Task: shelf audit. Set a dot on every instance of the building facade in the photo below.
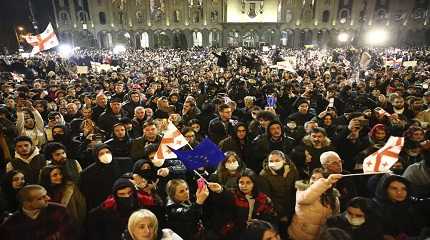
(247, 23)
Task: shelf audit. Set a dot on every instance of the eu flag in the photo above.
(206, 154)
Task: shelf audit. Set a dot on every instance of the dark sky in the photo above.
(14, 13)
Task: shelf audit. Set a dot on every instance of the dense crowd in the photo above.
(79, 136)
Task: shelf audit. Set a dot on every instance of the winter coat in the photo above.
(219, 130)
(184, 219)
(371, 229)
(279, 186)
(97, 180)
(30, 167)
(310, 213)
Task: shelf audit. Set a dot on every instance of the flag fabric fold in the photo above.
(206, 154)
(383, 159)
(172, 139)
(44, 41)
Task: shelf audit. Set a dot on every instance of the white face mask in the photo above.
(354, 221)
(106, 158)
(276, 165)
(158, 162)
(232, 166)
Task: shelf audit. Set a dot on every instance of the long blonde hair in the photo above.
(138, 216)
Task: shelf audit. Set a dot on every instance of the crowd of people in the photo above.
(78, 144)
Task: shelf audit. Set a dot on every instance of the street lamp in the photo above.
(20, 29)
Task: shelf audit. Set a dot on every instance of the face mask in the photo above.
(354, 221)
(126, 204)
(276, 165)
(106, 158)
(158, 162)
(232, 166)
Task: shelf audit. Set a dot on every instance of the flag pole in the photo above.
(198, 174)
(363, 174)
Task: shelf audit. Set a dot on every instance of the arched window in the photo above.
(64, 17)
(102, 18)
(144, 40)
(139, 17)
(344, 15)
(197, 39)
(326, 16)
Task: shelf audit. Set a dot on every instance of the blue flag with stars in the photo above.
(206, 154)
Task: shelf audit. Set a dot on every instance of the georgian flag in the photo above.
(383, 159)
(172, 138)
(44, 41)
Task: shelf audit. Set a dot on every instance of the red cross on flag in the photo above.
(383, 159)
(44, 41)
(172, 138)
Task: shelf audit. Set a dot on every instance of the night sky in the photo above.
(14, 13)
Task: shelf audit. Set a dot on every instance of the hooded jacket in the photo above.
(97, 179)
(264, 144)
(399, 218)
(109, 220)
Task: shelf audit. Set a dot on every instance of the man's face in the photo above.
(59, 156)
(150, 131)
(225, 114)
(72, 108)
(135, 97)
(119, 131)
(87, 113)
(380, 135)
(303, 108)
(119, 88)
(39, 199)
(139, 113)
(317, 138)
(333, 164)
(116, 107)
(23, 148)
(398, 103)
(275, 131)
(101, 100)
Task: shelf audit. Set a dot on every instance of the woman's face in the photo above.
(144, 230)
(328, 120)
(56, 176)
(182, 193)
(195, 127)
(417, 136)
(380, 135)
(18, 181)
(397, 191)
(231, 159)
(246, 185)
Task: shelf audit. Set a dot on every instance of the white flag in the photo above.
(172, 138)
(44, 41)
(383, 159)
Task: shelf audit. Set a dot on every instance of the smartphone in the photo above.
(331, 103)
(200, 183)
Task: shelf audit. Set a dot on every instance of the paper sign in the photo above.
(82, 70)
(409, 63)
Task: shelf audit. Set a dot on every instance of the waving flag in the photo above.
(383, 159)
(206, 154)
(172, 138)
(44, 41)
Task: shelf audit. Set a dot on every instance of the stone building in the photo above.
(248, 23)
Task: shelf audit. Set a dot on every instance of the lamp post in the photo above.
(20, 29)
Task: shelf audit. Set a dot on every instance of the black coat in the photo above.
(217, 131)
(371, 229)
(97, 180)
